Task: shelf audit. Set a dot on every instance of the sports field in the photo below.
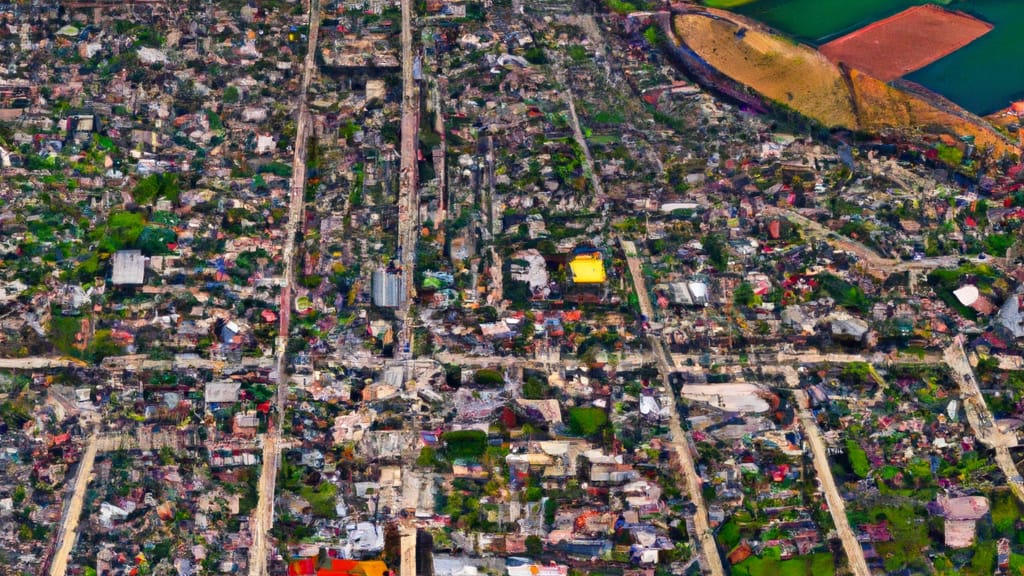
(900, 44)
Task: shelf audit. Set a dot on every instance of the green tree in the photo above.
(488, 377)
(153, 240)
(427, 457)
(536, 55)
(534, 389)
(534, 545)
(714, 246)
(743, 295)
(858, 459)
(453, 375)
(156, 186)
(123, 230)
(103, 345)
(231, 95)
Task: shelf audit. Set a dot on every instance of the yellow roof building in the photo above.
(588, 269)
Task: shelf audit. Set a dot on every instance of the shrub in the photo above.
(464, 444)
(858, 459)
(488, 377)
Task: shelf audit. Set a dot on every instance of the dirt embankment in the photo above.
(803, 79)
(790, 74)
(885, 107)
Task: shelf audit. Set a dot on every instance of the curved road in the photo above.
(980, 417)
(874, 262)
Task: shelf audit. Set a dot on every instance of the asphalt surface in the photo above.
(712, 562)
(408, 199)
(836, 505)
(262, 518)
(73, 511)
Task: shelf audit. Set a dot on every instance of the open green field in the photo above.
(988, 74)
(727, 4)
(821, 564)
(983, 77)
(819, 21)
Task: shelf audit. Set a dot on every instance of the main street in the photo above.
(73, 510)
(408, 199)
(680, 440)
(262, 518)
(129, 363)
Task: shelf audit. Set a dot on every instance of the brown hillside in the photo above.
(794, 75)
(883, 107)
(803, 79)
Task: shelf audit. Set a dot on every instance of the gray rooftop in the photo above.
(222, 392)
(129, 267)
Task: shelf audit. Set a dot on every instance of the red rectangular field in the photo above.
(898, 45)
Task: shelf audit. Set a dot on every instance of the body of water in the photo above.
(983, 77)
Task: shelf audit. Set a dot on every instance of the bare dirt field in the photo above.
(896, 46)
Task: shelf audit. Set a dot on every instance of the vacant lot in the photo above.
(905, 42)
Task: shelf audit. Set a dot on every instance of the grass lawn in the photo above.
(1016, 564)
(726, 3)
(910, 535)
(604, 139)
(63, 330)
(821, 564)
(322, 499)
(587, 421)
(1005, 512)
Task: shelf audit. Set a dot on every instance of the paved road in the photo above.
(806, 357)
(35, 363)
(980, 417)
(836, 505)
(73, 511)
(43, 362)
(577, 133)
(876, 263)
(680, 440)
(408, 199)
(104, 442)
(262, 518)
(626, 361)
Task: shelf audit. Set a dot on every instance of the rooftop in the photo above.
(129, 267)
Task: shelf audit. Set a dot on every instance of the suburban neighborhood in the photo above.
(447, 288)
